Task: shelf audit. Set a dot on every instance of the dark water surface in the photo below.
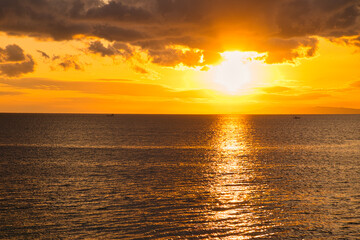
(179, 177)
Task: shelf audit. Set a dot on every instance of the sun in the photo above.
(236, 71)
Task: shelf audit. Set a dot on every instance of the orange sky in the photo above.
(180, 56)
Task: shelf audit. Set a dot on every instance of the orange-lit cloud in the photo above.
(279, 27)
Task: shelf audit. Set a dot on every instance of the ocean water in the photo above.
(179, 176)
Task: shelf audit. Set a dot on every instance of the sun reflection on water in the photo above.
(235, 172)
(231, 135)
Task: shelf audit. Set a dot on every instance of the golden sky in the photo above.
(180, 56)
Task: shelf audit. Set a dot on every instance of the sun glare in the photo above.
(236, 71)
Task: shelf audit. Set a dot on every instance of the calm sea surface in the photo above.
(179, 177)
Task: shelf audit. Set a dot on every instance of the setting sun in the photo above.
(236, 71)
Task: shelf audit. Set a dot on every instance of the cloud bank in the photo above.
(285, 29)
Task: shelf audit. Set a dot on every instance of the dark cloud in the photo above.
(65, 62)
(69, 62)
(13, 61)
(110, 50)
(345, 18)
(140, 70)
(98, 47)
(43, 54)
(58, 19)
(123, 49)
(288, 50)
(283, 28)
(173, 57)
(115, 33)
(117, 11)
(167, 51)
(12, 53)
(18, 68)
(316, 17)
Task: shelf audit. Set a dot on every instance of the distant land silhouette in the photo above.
(335, 110)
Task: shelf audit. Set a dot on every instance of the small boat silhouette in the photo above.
(110, 115)
(296, 117)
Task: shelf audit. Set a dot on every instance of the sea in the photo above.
(78, 176)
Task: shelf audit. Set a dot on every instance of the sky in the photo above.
(180, 56)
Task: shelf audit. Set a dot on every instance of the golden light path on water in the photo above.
(239, 203)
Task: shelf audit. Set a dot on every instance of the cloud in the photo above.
(317, 17)
(289, 50)
(43, 54)
(292, 94)
(111, 50)
(66, 62)
(272, 97)
(9, 93)
(173, 57)
(12, 53)
(17, 69)
(350, 41)
(98, 47)
(355, 84)
(158, 53)
(69, 63)
(117, 11)
(13, 61)
(124, 88)
(286, 29)
(116, 33)
(140, 70)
